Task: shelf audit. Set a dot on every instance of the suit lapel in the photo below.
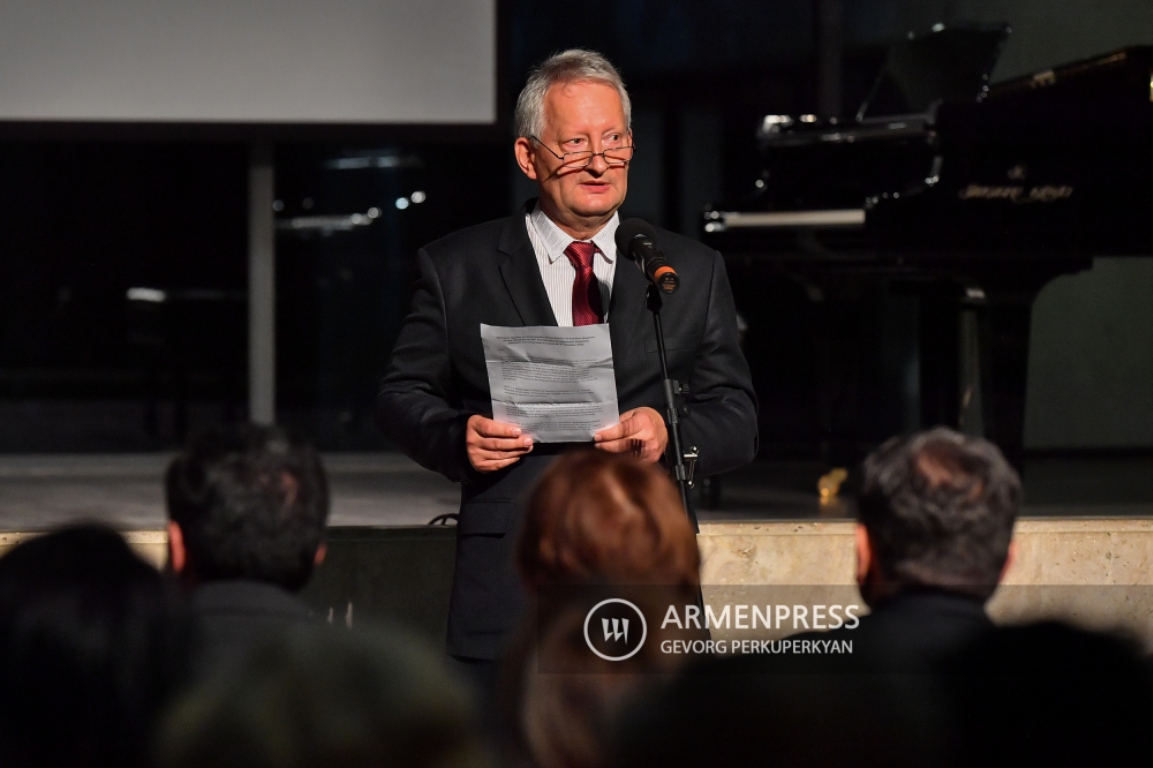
(521, 274)
(626, 308)
(522, 279)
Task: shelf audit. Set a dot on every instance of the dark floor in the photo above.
(383, 489)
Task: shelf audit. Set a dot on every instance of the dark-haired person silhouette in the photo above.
(247, 510)
(94, 642)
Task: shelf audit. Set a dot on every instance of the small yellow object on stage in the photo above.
(830, 484)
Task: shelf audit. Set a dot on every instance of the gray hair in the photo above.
(575, 65)
(939, 507)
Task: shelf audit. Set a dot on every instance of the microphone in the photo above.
(636, 238)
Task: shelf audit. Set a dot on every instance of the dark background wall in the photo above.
(82, 368)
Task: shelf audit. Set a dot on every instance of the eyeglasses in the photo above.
(615, 157)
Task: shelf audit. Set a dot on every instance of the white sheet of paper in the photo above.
(556, 384)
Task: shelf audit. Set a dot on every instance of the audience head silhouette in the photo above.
(320, 699)
(597, 525)
(247, 502)
(936, 510)
(93, 642)
(600, 518)
(1052, 695)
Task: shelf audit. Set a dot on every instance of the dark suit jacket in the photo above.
(883, 704)
(437, 379)
(232, 615)
(913, 632)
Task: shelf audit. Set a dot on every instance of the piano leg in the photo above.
(1003, 322)
(1004, 329)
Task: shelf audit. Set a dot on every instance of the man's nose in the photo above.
(598, 165)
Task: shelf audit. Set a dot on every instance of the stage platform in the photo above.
(1085, 541)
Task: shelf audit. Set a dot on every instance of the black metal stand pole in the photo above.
(672, 417)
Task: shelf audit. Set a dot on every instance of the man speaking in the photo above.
(555, 263)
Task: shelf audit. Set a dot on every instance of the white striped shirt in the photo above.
(549, 242)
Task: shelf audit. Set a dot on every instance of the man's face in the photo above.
(578, 117)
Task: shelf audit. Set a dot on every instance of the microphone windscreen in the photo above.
(629, 229)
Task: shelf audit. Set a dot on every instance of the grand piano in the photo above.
(935, 215)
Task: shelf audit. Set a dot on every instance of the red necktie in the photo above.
(587, 308)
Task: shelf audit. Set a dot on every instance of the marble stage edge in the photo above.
(1087, 560)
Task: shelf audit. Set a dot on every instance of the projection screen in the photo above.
(249, 61)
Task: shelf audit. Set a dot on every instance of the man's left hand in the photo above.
(642, 433)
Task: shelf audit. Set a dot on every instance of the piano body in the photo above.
(966, 208)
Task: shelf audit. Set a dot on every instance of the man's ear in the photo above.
(864, 549)
(321, 551)
(525, 154)
(177, 554)
(1010, 559)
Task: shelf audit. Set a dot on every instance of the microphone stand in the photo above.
(682, 473)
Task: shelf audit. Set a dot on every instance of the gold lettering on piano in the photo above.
(980, 192)
(1048, 193)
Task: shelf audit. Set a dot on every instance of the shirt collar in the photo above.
(556, 239)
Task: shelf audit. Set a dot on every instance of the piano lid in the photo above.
(950, 63)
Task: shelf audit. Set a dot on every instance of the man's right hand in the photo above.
(494, 445)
